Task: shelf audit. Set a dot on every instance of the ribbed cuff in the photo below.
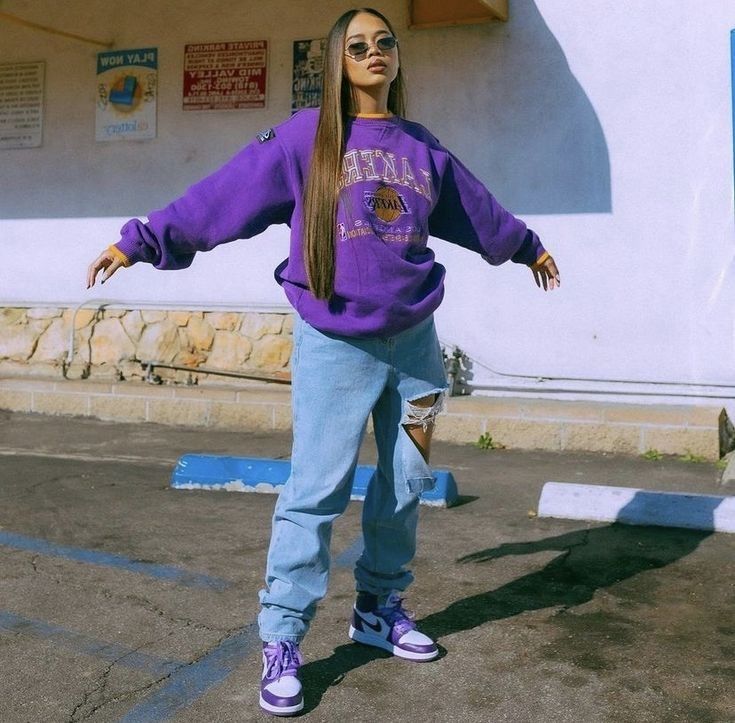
(120, 255)
(540, 260)
(530, 250)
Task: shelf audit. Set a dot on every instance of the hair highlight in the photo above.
(325, 173)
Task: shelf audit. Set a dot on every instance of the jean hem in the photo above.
(274, 637)
(379, 591)
(417, 485)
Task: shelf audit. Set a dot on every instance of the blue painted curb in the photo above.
(253, 474)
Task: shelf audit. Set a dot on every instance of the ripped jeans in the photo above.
(338, 382)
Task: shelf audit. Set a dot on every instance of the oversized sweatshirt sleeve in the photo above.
(241, 199)
(467, 214)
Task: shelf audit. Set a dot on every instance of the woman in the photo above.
(362, 189)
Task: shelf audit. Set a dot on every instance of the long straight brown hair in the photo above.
(323, 185)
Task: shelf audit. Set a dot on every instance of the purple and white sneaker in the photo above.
(280, 687)
(390, 627)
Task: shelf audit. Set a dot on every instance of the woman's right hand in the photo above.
(108, 261)
(545, 272)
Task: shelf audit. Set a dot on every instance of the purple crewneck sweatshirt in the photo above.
(399, 185)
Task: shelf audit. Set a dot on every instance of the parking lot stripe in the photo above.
(80, 457)
(81, 643)
(187, 684)
(108, 559)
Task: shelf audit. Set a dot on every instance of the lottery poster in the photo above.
(225, 76)
(127, 91)
(308, 63)
(21, 104)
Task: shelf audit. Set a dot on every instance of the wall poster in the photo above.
(21, 104)
(127, 88)
(225, 76)
(308, 62)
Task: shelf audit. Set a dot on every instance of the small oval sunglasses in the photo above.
(358, 51)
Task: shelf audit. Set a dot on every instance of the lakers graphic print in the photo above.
(386, 203)
(393, 186)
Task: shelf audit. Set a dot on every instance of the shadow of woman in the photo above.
(591, 559)
(319, 676)
(519, 115)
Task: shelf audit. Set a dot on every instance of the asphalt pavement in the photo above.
(122, 599)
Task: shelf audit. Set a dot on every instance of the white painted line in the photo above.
(80, 457)
(637, 506)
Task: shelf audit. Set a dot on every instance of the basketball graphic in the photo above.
(386, 203)
(126, 93)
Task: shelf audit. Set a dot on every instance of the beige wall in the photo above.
(585, 119)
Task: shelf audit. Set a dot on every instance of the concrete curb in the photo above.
(637, 507)
(253, 474)
(513, 422)
(728, 476)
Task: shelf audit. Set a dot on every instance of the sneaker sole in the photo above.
(283, 710)
(377, 642)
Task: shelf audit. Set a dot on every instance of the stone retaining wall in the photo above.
(111, 343)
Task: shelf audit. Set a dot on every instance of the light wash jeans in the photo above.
(338, 382)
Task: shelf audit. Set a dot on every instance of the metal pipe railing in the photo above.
(66, 363)
(275, 377)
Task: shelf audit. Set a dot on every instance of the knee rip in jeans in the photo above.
(416, 415)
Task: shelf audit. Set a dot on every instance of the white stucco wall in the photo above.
(607, 126)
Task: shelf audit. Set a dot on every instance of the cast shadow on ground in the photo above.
(590, 560)
(521, 118)
(319, 676)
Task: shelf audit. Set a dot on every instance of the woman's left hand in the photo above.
(545, 273)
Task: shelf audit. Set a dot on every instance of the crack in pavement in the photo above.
(190, 682)
(30, 489)
(104, 677)
(39, 570)
(100, 685)
(161, 612)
